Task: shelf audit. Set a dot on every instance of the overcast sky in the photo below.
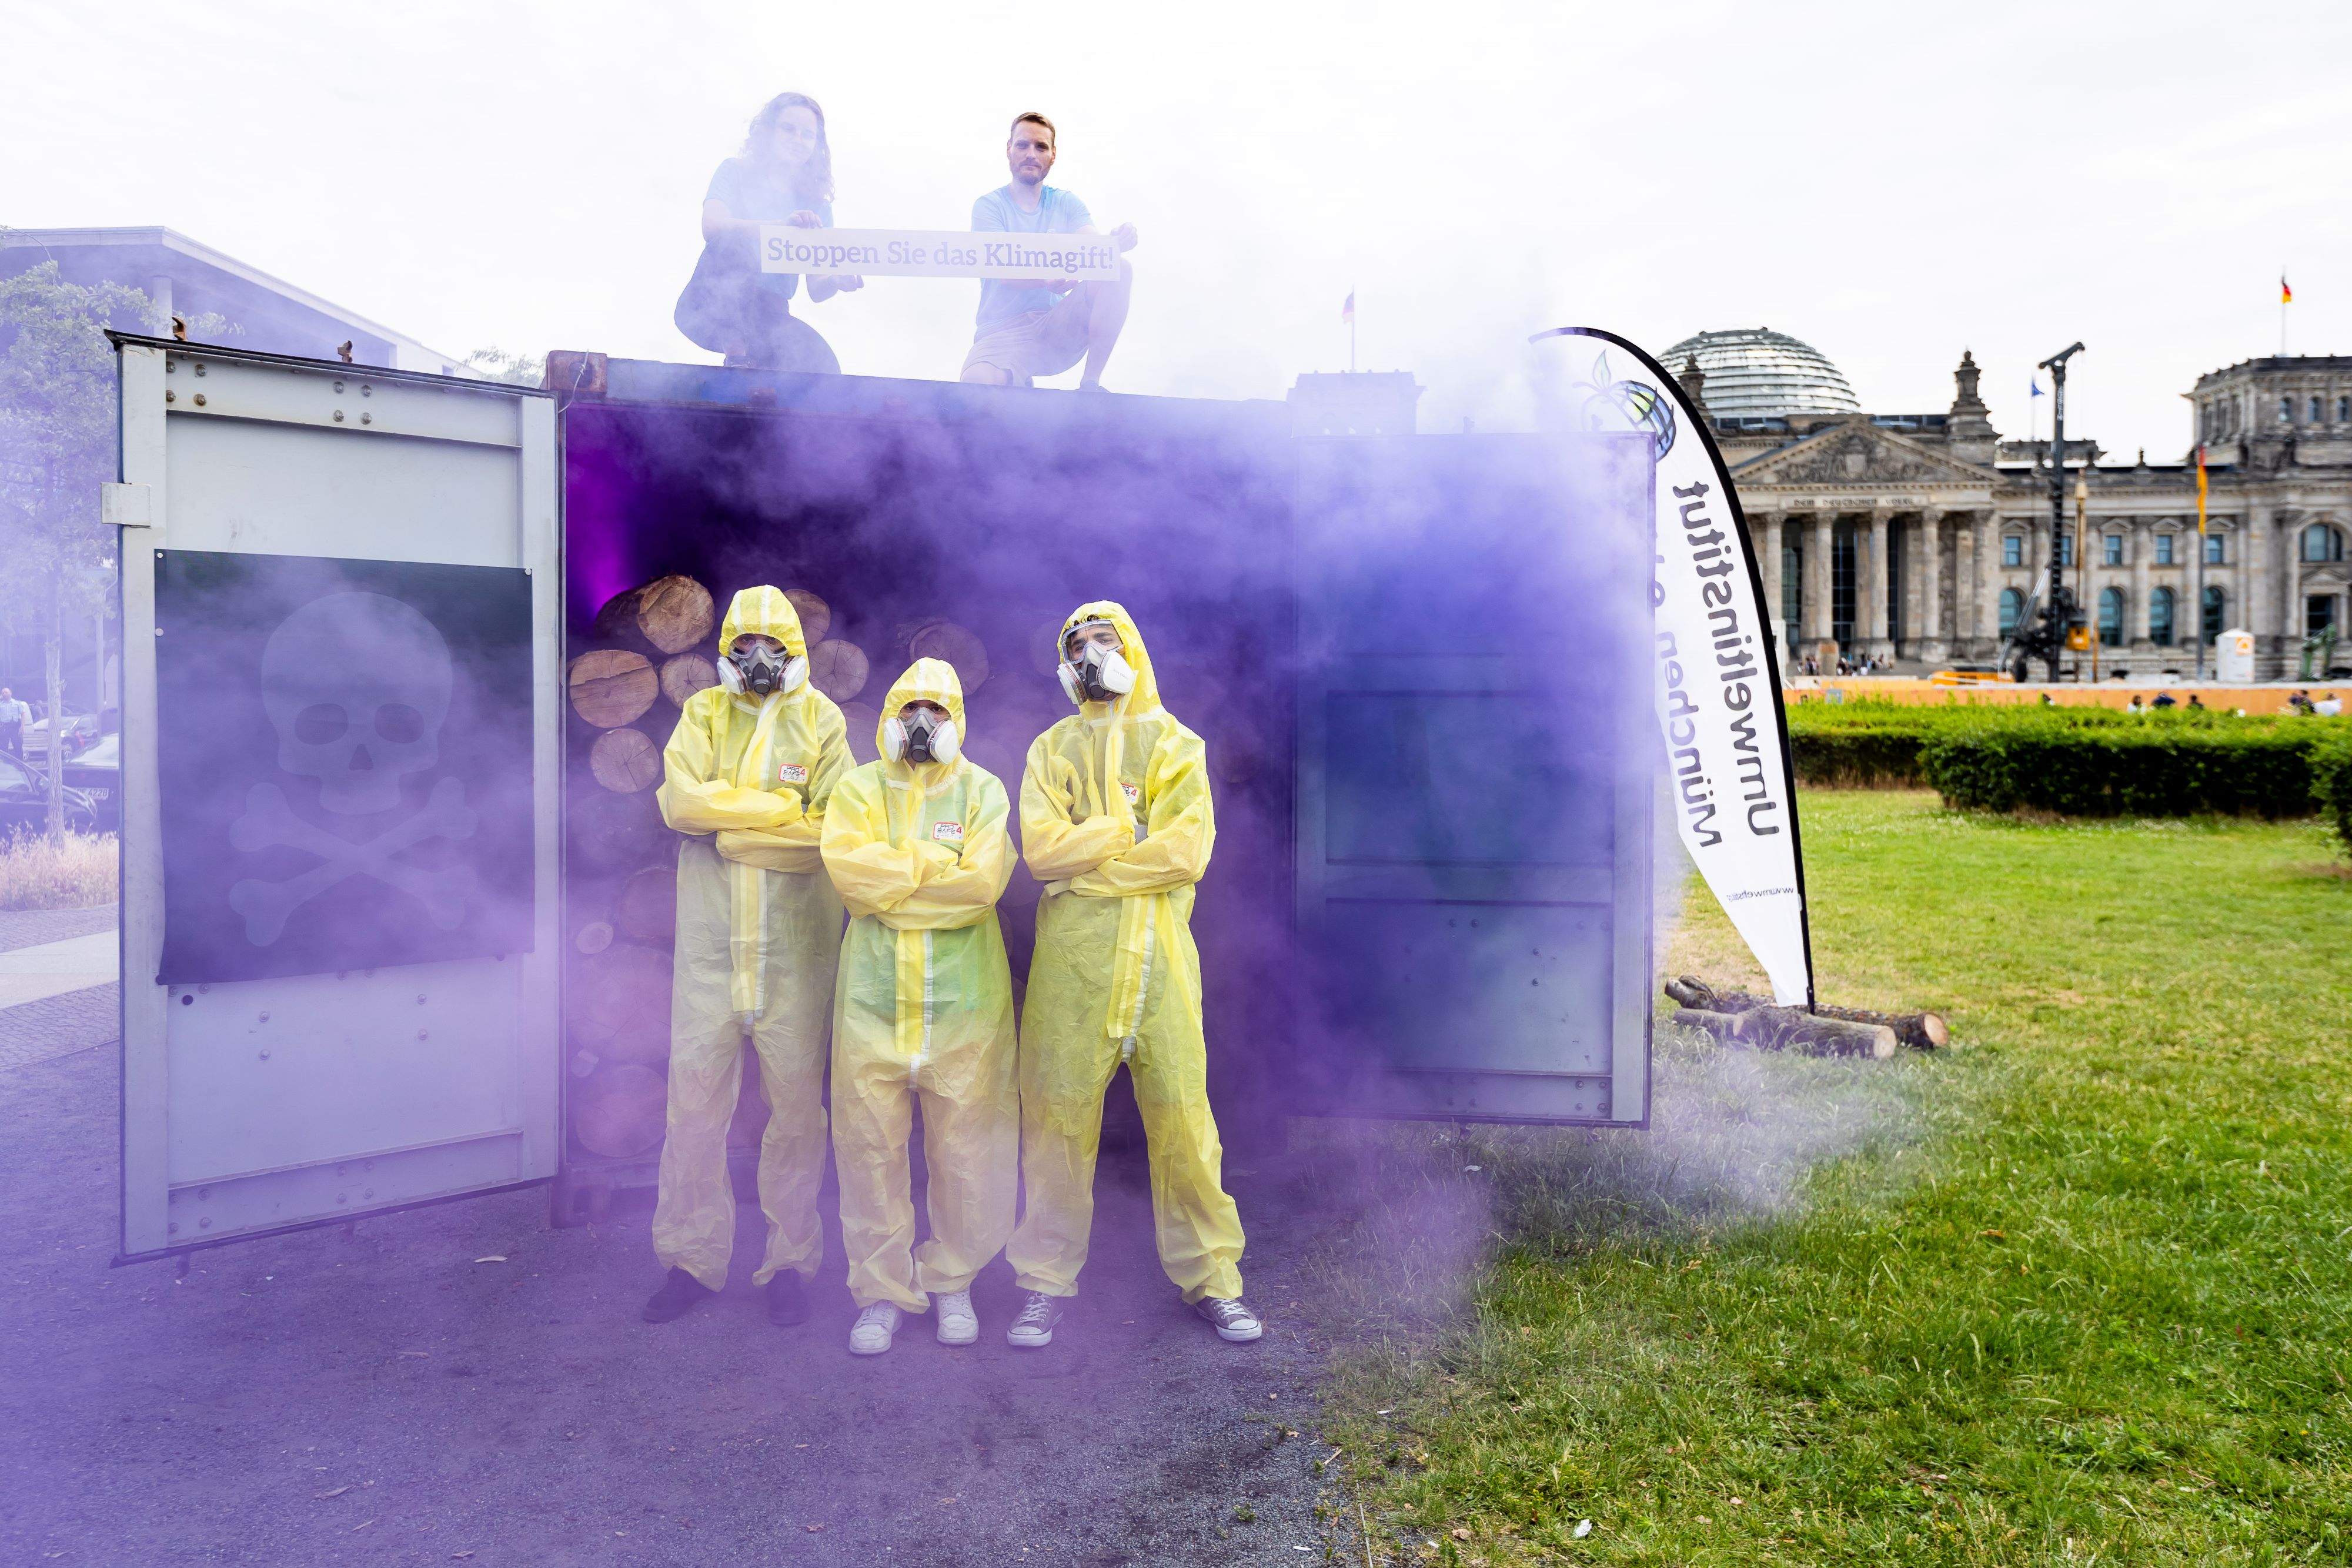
(1891, 185)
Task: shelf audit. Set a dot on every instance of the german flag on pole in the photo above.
(2286, 294)
(1348, 310)
(2201, 490)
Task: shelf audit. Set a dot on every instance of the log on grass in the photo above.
(619, 1110)
(1793, 1029)
(686, 675)
(839, 669)
(612, 686)
(625, 761)
(816, 615)
(1920, 1031)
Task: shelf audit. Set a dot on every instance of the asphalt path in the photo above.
(464, 1383)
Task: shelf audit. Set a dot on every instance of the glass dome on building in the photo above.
(1755, 372)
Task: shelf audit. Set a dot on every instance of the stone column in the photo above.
(1875, 639)
(1816, 613)
(2258, 601)
(2290, 540)
(1963, 583)
(2140, 539)
(1768, 544)
(1931, 586)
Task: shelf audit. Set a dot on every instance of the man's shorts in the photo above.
(1039, 343)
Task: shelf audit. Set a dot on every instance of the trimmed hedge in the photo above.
(2331, 781)
(2105, 772)
(2076, 761)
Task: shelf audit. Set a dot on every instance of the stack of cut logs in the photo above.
(650, 651)
(1737, 1018)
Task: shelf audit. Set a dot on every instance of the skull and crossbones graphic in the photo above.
(357, 688)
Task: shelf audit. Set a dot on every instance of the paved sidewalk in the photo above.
(58, 992)
(463, 1383)
(52, 968)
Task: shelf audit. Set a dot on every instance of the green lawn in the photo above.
(2076, 1292)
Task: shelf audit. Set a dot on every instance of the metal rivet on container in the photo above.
(339, 386)
(343, 1198)
(339, 416)
(420, 998)
(366, 391)
(206, 988)
(170, 396)
(170, 366)
(173, 1229)
(370, 1193)
(420, 1034)
(367, 419)
(199, 367)
(265, 1018)
(200, 400)
(204, 1192)
(203, 1224)
(265, 1056)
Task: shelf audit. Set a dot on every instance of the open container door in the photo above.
(340, 600)
(1473, 785)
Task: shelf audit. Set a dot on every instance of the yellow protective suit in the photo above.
(923, 1006)
(758, 932)
(1115, 820)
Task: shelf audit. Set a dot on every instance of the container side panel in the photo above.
(356, 572)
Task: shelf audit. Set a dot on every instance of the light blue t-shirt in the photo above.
(1058, 213)
(758, 195)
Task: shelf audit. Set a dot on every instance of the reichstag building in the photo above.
(1920, 537)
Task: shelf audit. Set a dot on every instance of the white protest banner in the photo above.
(1718, 676)
(938, 253)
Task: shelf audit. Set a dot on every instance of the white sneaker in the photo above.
(957, 1324)
(1032, 1325)
(1235, 1322)
(874, 1326)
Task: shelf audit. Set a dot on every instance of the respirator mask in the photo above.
(761, 670)
(926, 737)
(1096, 674)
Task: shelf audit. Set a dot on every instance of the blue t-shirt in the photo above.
(1058, 213)
(762, 194)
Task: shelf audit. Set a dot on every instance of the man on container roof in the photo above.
(1028, 330)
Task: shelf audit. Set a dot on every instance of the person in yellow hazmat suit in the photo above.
(746, 775)
(919, 844)
(1115, 820)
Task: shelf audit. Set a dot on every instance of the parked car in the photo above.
(98, 773)
(81, 734)
(24, 801)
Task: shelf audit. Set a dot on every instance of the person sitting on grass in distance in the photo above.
(2166, 699)
(1029, 330)
(2329, 705)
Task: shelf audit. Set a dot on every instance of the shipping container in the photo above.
(397, 901)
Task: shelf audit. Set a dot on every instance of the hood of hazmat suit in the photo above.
(748, 778)
(1117, 822)
(923, 1005)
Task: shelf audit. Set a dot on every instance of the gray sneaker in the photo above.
(1032, 1325)
(1234, 1322)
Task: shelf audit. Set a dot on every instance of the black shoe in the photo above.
(1033, 1326)
(787, 1302)
(679, 1294)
